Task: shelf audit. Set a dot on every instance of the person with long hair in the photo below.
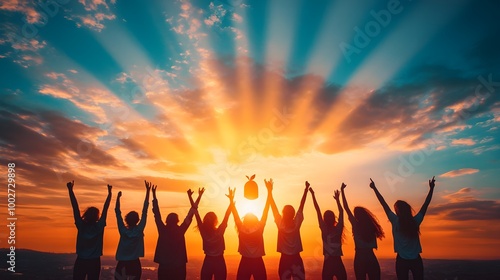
(289, 241)
(332, 234)
(170, 253)
(131, 244)
(251, 244)
(89, 239)
(406, 233)
(365, 230)
(212, 236)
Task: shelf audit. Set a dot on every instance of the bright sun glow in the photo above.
(246, 206)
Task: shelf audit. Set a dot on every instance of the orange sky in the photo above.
(56, 233)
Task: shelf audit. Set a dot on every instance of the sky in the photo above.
(191, 94)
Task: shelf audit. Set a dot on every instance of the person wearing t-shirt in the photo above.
(251, 244)
(212, 236)
(131, 244)
(89, 239)
(365, 230)
(406, 233)
(289, 241)
(170, 253)
(332, 233)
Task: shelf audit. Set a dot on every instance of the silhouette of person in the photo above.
(289, 241)
(212, 235)
(251, 244)
(170, 253)
(365, 230)
(131, 244)
(332, 233)
(406, 233)
(89, 238)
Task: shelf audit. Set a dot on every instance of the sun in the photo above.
(246, 206)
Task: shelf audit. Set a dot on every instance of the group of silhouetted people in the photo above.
(171, 255)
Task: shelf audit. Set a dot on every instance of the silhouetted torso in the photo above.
(289, 241)
(251, 241)
(89, 239)
(213, 241)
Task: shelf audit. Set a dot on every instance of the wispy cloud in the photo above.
(27, 8)
(23, 51)
(463, 142)
(96, 13)
(459, 172)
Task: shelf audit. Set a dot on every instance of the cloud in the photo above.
(463, 142)
(27, 8)
(460, 195)
(467, 210)
(459, 172)
(95, 14)
(23, 51)
(237, 18)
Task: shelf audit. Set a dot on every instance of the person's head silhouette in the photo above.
(329, 218)
(402, 208)
(408, 226)
(250, 220)
(91, 215)
(210, 221)
(368, 224)
(172, 219)
(132, 219)
(288, 214)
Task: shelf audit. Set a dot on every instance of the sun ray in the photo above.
(371, 77)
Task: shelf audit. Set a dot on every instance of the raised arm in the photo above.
(230, 195)
(119, 218)
(269, 185)
(336, 196)
(381, 199)
(429, 196)
(344, 202)
(316, 206)
(304, 196)
(194, 208)
(196, 213)
(236, 216)
(106, 205)
(144, 214)
(117, 205)
(156, 209)
(74, 203)
(263, 219)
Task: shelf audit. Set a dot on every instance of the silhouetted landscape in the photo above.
(41, 265)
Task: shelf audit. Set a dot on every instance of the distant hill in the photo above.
(35, 265)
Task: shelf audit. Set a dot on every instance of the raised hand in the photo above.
(119, 194)
(153, 188)
(201, 191)
(336, 194)
(307, 185)
(372, 184)
(190, 192)
(269, 184)
(230, 195)
(432, 182)
(342, 187)
(109, 188)
(311, 190)
(70, 184)
(148, 185)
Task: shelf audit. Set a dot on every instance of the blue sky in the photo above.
(205, 92)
